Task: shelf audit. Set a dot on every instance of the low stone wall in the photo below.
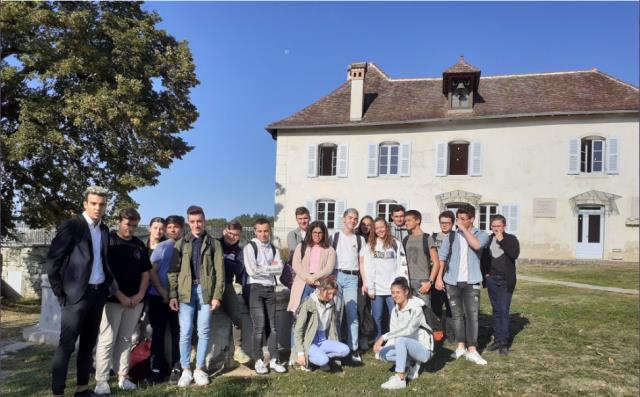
(22, 267)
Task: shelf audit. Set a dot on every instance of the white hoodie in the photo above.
(410, 323)
(382, 266)
(258, 271)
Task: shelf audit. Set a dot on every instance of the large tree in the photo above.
(92, 93)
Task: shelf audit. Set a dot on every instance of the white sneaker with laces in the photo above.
(126, 384)
(460, 351)
(102, 388)
(394, 383)
(200, 377)
(276, 366)
(186, 378)
(475, 357)
(414, 371)
(261, 368)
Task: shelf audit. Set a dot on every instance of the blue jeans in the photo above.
(500, 301)
(348, 289)
(376, 309)
(402, 349)
(465, 306)
(185, 317)
(321, 352)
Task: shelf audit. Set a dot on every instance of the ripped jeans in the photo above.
(465, 305)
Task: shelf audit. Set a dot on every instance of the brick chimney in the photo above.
(356, 75)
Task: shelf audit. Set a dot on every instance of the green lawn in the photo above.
(569, 342)
(620, 275)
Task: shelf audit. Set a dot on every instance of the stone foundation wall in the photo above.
(22, 266)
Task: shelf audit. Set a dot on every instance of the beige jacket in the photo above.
(301, 267)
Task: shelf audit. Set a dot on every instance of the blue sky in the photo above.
(260, 62)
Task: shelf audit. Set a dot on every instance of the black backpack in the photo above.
(432, 321)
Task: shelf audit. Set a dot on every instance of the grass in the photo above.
(14, 316)
(568, 342)
(620, 275)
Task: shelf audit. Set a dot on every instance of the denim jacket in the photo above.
(473, 260)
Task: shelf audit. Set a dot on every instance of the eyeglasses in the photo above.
(445, 223)
(317, 232)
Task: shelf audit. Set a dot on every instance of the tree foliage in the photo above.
(92, 93)
(246, 220)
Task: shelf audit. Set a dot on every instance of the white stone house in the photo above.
(555, 153)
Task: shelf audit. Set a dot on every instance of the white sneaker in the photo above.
(276, 366)
(126, 384)
(102, 388)
(261, 368)
(186, 378)
(414, 371)
(200, 377)
(394, 382)
(475, 357)
(460, 351)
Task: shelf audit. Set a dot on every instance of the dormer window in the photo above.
(460, 84)
(460, 98)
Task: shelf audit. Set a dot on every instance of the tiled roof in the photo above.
(462, 67)
(388, 100)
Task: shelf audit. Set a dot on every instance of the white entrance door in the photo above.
(590, 241)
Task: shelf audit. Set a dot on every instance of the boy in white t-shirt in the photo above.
(350, 249)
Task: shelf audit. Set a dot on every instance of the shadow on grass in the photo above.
(517, 323)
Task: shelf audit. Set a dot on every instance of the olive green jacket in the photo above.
(211, 269)
(306, 326)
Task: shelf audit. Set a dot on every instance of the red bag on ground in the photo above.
(140, 362)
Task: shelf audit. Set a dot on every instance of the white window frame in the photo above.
(324, 214)
(591, 156)
(334, 158)
(485, 210)
(387, 208)
(386, 165)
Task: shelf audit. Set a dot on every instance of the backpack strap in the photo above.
(405, 240)
(334, 241)
(425, 244)
(255, 248)
(303, 249)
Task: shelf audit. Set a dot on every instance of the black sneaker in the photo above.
(356, 358)
(175, 376)
(493, 347)
(504, 351)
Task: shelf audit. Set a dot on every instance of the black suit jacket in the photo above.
(70, 259)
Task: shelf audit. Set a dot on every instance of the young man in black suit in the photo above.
(79, 274)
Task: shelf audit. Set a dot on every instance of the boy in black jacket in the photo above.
(499, 269)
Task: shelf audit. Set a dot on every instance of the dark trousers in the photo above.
(500, 301)
(231, 307)
(159, 315)
(80, 319)
(262, 310)
(465, 305)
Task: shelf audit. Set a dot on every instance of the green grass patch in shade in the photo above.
(568, 342)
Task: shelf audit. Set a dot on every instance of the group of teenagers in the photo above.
(105, 279)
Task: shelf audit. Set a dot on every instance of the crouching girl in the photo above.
(316, 335)
(409, 342)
